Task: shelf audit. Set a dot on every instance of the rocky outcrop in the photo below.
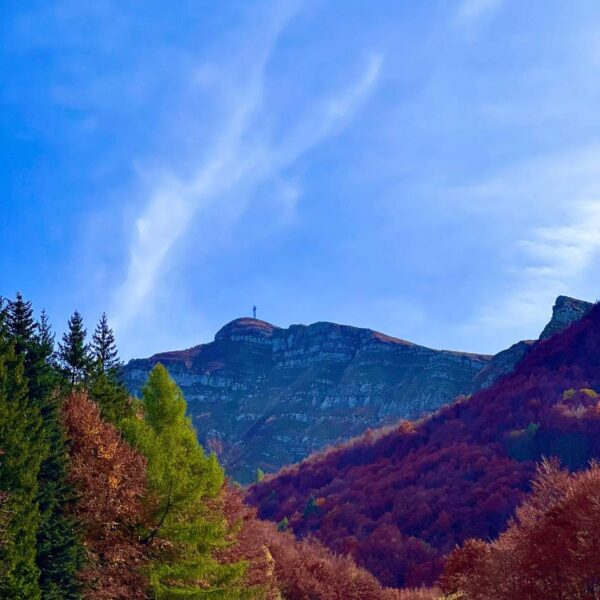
(502, 364)
(264, 396)
(565, 312)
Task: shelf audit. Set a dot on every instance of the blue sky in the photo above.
(428, 169)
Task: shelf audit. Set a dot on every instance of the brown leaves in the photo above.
(298, 570)
(110, 480)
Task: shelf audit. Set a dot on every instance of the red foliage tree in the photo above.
(110, 479)
(550, 550)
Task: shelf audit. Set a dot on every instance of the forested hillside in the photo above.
(398, 500)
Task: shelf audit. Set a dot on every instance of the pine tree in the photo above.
(21, 324)
(24, 448)
(74, 352)
(106, 386)
(104, 349)
(183, 484)
(45, 337)
(58, 551)
(3, 320)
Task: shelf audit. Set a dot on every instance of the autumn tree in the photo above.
(280, 566)
(550, 550)
(183, 482)
(110, 479)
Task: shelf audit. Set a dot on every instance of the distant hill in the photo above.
(265, 396)
(401, 498)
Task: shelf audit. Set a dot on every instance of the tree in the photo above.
(24, 447)
(74, 352)
(104, 349)
(110, 478)
(46, 337)
(550, 550)
(112, 397)
(21, 323)
(58, 551)
(105, 383)
(183, 484)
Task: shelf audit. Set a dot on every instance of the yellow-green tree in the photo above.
(183, 484)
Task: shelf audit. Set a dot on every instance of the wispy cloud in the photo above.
(241, 158)
(545, 259)
(471, 11)
(553, 261)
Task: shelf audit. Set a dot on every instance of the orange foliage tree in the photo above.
(110, 479)
(299, 570)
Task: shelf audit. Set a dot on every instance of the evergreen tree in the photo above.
(74, 352)
(46, 337)
(20, 322)
(104, 349)
(58, 550)
(3, 319)
(112, 397)
(182, 485)
(24, 448)
(105, 385)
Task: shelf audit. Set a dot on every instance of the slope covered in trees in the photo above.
(399, 500)
(105, 497)
(550, 550)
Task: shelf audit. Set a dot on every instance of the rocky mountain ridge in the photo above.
(263, 396)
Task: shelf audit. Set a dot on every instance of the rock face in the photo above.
(502, 364)
(263, 396)
(565, 312)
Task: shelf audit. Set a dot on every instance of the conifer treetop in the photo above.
(103, 346)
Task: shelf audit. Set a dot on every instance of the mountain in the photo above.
(399, 499)
(264, 396)
(269, 396)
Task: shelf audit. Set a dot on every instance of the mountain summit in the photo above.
(263, 396)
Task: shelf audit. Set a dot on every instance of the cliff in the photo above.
(264, 396)
(565, 312)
